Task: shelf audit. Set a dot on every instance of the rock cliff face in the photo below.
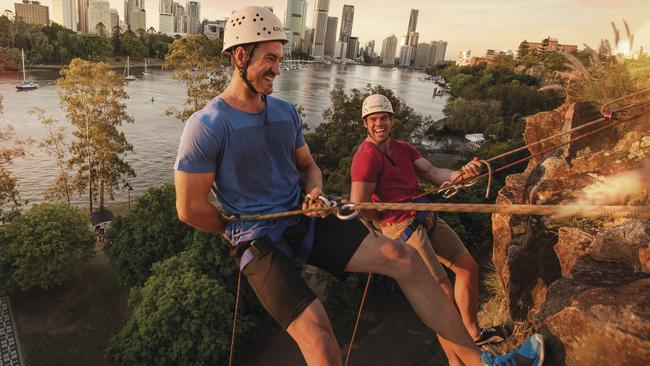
(585, 282)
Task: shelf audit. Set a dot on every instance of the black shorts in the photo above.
(275, 278)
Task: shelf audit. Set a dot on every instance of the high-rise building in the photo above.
(405, 53)
(32, 12)
(437, 53)
(422, 54)
(287, 48)
(369, 49)
(64, 13)
(213, 28)
(166, 25)
(82, 11)
(413, 21)
(57, 12)
(320, 27)
(129, 5)
(180, 20)
(353, 48)
(295, 20)
(340, 49)
(165, 6)
(193, 9)
(347, 18)
(388, 49)
(330, 36)
(308, 40)
(138, 19)
(115, 20)
(99, 17)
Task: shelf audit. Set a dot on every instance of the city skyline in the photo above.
(476, 25)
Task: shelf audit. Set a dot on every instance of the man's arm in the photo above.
(311, 179)
(438, 176)
(362, 192)
(192, 205)
(310, 174)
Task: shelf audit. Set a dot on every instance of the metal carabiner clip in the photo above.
(347, 207)
(447, 190)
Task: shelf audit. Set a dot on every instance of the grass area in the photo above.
(72, 324)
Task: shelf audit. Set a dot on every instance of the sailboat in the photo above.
(127, 74)
(145, 72)
(25, 85)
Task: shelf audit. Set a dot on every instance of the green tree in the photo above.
(92, 46)
(471, 116)
(45, 246)
(197, 61)
(116, 41)
(133, 46)
(523, 50)
(55, 146)
(149, 233)
(10, 149)
(183, 313)
(10, 57)
(93, 97)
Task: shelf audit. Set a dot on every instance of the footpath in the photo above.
(9, 347)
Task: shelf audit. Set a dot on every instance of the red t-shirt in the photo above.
(394, 175)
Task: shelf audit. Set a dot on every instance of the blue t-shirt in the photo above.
(254, 161)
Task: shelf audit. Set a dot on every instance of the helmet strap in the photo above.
(243, 71)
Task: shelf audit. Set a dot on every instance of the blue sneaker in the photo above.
(530, 353)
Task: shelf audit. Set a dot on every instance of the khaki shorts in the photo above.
(444, 246)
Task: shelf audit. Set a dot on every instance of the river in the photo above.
(155, 137)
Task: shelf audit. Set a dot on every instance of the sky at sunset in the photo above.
(465, 24)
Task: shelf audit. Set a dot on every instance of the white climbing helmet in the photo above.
(252, 24)
(376, 103)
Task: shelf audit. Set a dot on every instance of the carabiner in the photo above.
(347, 207)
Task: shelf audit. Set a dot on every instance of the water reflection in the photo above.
(155, 137)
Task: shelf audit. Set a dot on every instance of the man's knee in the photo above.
(407, 261)
(465, 267)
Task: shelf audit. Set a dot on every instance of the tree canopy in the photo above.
(44, 246)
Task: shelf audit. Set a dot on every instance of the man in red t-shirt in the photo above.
(387, 170)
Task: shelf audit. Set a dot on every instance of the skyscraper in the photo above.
(353, 48)
(57, 12)
(388, 49)
(422, 55)
(330, 35)
(295, 21)
(166, 6)
(32, 12)
(347, 17)
(82, 11)
(99, 17)
(320, 26)
(115, 20)
(138, 19)
(413, 21)
(64, 12)
(437, 53)
(166, 25)
(194, 16)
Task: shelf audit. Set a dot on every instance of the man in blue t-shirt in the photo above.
(248, 148)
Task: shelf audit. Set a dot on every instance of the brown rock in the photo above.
(623, 244)
(571, 244)
(601, 326)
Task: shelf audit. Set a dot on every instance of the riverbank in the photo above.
(116, 63)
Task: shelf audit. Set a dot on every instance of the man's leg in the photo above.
(466, 292)
(452, 253)
(403, 263)
(314, 335)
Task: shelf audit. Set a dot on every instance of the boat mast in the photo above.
(22, 54)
